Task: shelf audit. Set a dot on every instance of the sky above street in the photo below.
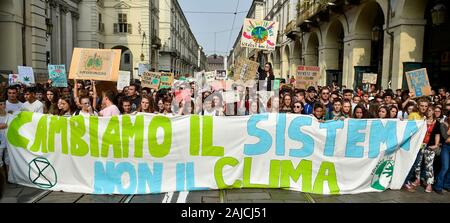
(206, 25)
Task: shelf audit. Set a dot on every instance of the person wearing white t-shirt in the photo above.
(13, 106)
(4, 158)
(32, 104)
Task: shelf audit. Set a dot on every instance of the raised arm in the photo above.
(95, 96)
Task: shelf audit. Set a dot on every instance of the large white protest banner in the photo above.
(145, 153)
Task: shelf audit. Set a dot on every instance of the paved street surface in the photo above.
(20, 194)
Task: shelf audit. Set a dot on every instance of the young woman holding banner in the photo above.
(432, 139)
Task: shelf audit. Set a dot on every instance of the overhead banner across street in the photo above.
(144, 154)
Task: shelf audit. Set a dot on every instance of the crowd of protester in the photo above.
(327, 103)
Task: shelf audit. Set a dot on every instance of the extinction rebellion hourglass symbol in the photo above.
(41, 173)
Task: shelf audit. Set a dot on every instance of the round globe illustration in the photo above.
(260, 34)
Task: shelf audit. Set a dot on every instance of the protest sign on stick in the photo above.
(210, 76)
(307, 76)
(151, 80)
(26, 75)
(13, 79)
(259, 34)
(221, 74)
(230, 96)
(167, 80)
(95, 64)
(245, 70)
(418, 82)
(369, 78)
(124, 79)
(57, 73)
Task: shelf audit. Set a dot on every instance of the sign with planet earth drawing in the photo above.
(259, 34)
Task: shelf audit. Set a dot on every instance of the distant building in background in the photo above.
(180, 50)
(36, 33)
(215, 62)
(130, 26)
(349, 38)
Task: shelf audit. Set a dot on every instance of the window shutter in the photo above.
(116, 28)
(129, 28)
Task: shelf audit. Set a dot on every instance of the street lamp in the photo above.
(142, 57)
(376, 33)
(438, 14)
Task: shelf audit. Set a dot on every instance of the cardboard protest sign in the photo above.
(181, 95)
(26, 75)
(370, 78)
(167, 80)
(245, 70)
(13, 79)
(124, 79)
(95, 64)
(57, 73)
(418, 82)
(259, 34)
(149, 154)
(210, 76)
(151, 80)
(230, 96)
(307, 76)
(221, 74)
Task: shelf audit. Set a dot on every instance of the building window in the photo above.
(101, 45)
(122, 26)
(127, 59)
(101, 25)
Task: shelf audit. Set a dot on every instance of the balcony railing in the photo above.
(308, 8)
(290, 27)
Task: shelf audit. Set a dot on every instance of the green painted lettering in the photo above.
(327, 172)
(155, 149)
(78, 147)
(218, 172)
(58, 125)
(129, 131)
(40, 139)
(207, 146)
(194, 144)
(93, 136)
(14, 138)
(112, 137)
(303, 169)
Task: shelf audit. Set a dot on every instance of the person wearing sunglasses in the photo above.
(86, 108)
(297, 108)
